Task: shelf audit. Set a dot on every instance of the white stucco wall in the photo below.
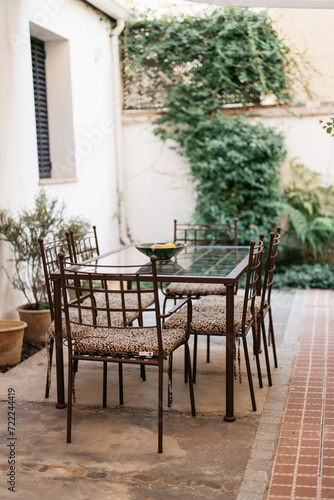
(158, 189)
(153, 171)
(83, 139)
(157, 185)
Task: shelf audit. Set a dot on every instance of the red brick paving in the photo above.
(304, 464)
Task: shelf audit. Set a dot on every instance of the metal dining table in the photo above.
(195, 264)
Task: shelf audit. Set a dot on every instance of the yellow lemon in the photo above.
(169, 245)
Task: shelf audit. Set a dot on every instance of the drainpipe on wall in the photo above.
(116, 78)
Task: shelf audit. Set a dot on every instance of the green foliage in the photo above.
(236, 169)
(232, 56)
(309, 208)
(46, 219)
(306, 276)
(329, 126)
(224, 57)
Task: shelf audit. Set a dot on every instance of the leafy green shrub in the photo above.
(45, 219)
(310, 211)
(206, 61)
(236, 171)
(306, 276)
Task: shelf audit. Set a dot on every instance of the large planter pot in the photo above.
(38, 321)
(11, 339)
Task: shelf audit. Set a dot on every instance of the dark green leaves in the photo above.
(235, 53)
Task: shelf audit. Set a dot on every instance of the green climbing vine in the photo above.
(199, 65)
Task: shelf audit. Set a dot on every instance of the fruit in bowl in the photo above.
(163, 251)
(163, 245)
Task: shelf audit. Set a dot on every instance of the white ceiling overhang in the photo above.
(111, 8)
(284, 4)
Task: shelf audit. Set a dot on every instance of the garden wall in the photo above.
(157, 186)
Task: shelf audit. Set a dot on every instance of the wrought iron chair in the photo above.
(85, 246)
(201, 235)
(49, 254)
(120, 344)
(265, 306)
(262, 303)
(209, 317)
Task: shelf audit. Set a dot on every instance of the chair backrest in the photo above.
(207, 234)
(268, 280)
(113, 311)
(84, 245)
(50, 261)
(252, 278)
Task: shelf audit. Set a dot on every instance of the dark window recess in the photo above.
(41, 109)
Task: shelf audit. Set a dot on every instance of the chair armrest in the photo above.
(189, 313)
(82, 298)
(175, 308)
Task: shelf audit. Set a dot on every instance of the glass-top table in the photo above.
(212, 264)
(193, 264)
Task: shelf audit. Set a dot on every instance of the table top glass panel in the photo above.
(210, 261)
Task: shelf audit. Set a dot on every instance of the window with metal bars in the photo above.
(41, 109)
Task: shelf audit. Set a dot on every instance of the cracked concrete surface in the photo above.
(113, 454)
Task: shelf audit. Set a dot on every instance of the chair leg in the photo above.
(185, 368)
(265, 346)
(164, 307)
(160, 407)
(142, 367)
(195, 359)
(105, 374)
(256, 353)
(191, 388)
(47, 387)
(120, 383)
(76, 365)
(69, 399)
(272, 336)
(249, 373)
(170, 380)
(143, 372)
(208, 349)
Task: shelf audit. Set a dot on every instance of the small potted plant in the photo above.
(45, 219)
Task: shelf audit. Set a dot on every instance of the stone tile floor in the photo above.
(284, 450)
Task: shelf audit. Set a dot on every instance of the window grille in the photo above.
(41, 110)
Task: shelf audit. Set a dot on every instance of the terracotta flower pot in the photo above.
(11, 339)
(38, 321)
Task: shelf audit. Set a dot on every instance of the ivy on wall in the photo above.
(228, 57)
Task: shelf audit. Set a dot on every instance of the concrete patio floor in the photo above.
(113, 454)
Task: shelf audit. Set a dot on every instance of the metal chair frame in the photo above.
(203, 235)
(206, 234)
(76, 278)
(84, 245)
(49, 255)
(252, 278)
(265, 307)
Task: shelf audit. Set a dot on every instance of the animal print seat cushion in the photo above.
(131, 302)
(130, 342)
(78, 331)
(195, 289)
(207, 320)
(220, 303)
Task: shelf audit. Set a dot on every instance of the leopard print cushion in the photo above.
(195, 289)
(130, 342)
(208, 320)
(220, 302)
(78, 331)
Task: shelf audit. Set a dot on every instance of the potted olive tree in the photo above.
(45, 219)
